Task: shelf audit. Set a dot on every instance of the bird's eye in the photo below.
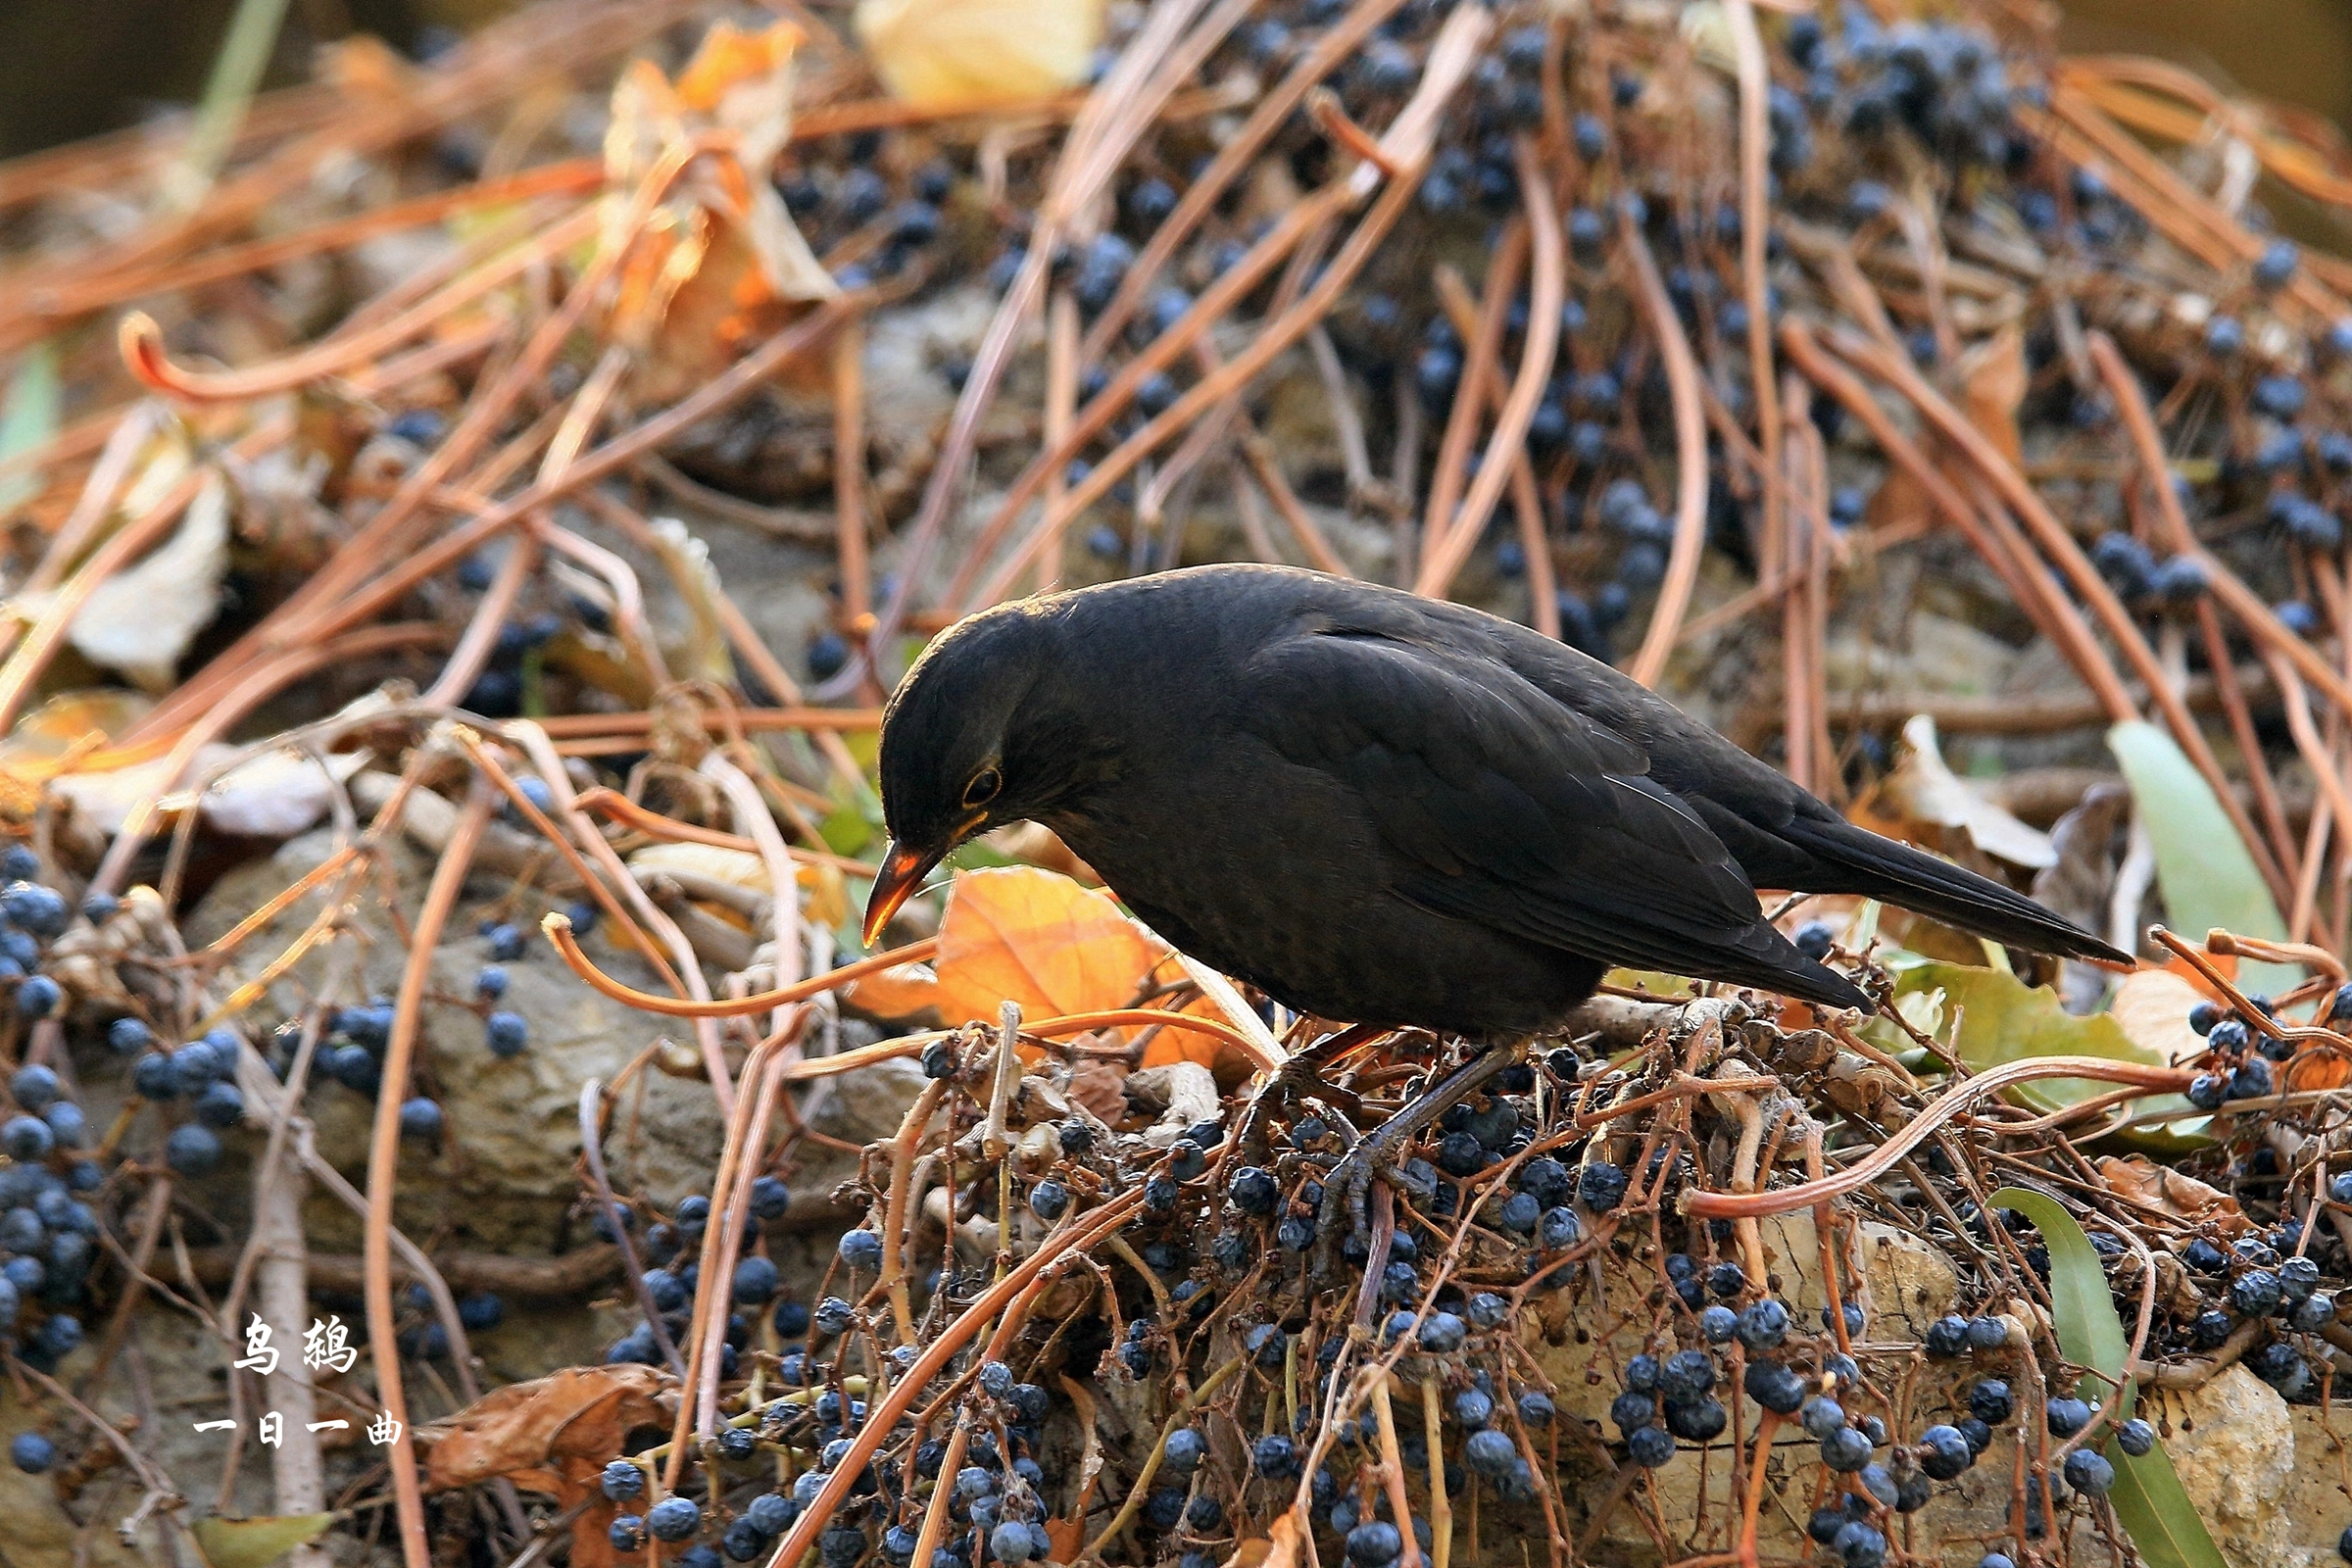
(983, 788)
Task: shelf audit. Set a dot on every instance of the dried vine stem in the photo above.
(1690, 457)
(1958, 1097)
(383, 1162)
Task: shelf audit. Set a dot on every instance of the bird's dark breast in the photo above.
(1308, 917)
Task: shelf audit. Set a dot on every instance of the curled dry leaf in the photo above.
(1035, 844)
(720, 261)
(1923, 799)
(1993, 379)
(57, 736)
(2081, 883)
(521, 1431)
(944, 54)
(1101, 1089)
(2152, 1005)
(140, 621)
(259, 1541)
(1183, 1094)
(2170, 1192)
(824, 896)
(275, 795)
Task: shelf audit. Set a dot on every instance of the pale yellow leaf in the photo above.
(973, 53)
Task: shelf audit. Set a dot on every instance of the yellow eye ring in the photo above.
(983, 788)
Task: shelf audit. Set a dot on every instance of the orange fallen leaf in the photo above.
(1036, 938)
(731, 59)
(899, 992)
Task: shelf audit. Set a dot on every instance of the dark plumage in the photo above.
(1383, 809)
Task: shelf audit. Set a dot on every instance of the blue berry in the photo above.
(1774, 1386)
(770, 1197)
(1049, 1199)
(1275, 1456)
(860, 1250)
(1822, 1417)
(31, 1453)
(1859, 1546)
(26, 1138)
(2276, 266)
(2066, 1416)
(421, 1119)
(37, 997)
(193, 1149)
(1253, 1191)
(1648, 1446)
(2279, 396)
(34, 1087)
(1762, 1324)
(754, 1281)
(2256, 1293)
(221, 1105)
(1847, 1449)
(2088, 1471)
(673, 1519)
(507, 1034)
(1943, 1453)
(1490, 1452)
(31, 908)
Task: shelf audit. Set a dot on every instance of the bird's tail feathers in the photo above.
(1864, 862)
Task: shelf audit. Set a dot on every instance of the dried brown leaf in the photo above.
(1922, 800)
(2159, 1186)
(581, 1412)
(1992, 387)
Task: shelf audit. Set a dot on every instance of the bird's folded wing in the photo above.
(1497, 804)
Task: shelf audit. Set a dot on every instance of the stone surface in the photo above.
(504, 1175)
(1906, 1283)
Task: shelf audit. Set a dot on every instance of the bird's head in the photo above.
(971, 742)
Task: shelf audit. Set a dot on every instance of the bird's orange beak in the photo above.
(902, 872)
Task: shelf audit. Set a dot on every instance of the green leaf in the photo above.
(2149, 1501)
(2002, 1019)
(28, 418)
(257, 1543)
(2202, 867)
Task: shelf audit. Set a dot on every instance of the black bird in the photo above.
(1383, 809)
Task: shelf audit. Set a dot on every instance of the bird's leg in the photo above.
(1300, 1073)
(1343, 1191)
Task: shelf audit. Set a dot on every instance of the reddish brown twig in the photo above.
(1690, 457)
(383, 1162)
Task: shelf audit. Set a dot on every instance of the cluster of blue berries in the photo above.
(672, 1280)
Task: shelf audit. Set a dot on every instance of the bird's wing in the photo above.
(1497, 804)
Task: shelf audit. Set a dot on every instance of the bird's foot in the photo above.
(1378, 1153)
(1301, 1074)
